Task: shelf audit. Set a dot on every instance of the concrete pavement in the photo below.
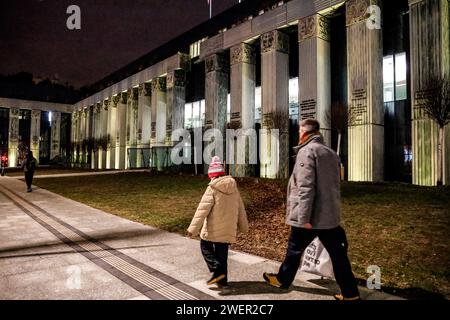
(52, 247)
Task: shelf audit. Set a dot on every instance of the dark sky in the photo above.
(34, 37)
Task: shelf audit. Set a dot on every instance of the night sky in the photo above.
(34, 37)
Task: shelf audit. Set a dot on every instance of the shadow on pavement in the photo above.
(260, 287)
(99, 236)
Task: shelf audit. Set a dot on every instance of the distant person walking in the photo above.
(29, 166)
(313, 210)
(219, 216)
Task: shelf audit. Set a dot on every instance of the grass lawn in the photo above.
(403, 229)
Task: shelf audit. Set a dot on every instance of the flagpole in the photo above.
(210, 9)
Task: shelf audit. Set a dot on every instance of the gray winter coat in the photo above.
(313, 194)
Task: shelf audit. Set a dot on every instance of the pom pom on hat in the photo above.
(216, 168)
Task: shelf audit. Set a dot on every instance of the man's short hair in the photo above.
(310, 125)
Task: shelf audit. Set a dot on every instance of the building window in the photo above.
(394, 77)
(194, 48)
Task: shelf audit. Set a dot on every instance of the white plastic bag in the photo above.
(316, 260)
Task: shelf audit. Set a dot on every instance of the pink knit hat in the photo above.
(215, 168)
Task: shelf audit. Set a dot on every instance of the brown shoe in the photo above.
(215, 279)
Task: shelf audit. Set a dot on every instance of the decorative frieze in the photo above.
(274, 40)
(242, 53)
(176, 78)
(314, 26)
(358, 10)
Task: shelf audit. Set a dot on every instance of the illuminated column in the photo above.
(13, 141)
(242, 94)
(158, 137)
(430, 58)
(121, 131)
(365, 94)
(143, 123)
(275, 104)
(176, 99)
(35, 132)
(96, 130)
(79, 151)
(102, 134)
(73, 136)
(132, 120)
(56, 134)
(216, 94)
(315, 72)
(84, 134)
(112, 132)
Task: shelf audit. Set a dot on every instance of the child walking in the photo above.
(219, 216)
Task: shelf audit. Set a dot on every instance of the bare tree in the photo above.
(341, 117)
(436, 105)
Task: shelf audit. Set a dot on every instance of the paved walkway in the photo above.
(55, 248)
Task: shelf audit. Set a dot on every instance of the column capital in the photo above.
(132, 94)
(159, 84)
(115, 100)
(35, 113)
(123, 97)
(216, 62)
(357, 10)
(145, 89)
(242, 53)
(98, 107)
(314, 26)
(176, 78)
(14, 112)
(274, 40)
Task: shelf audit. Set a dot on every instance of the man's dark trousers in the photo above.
(29, 178)
(216, 258)
(335, 242)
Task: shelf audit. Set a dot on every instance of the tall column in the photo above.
(79, 129)
(35, 132)
(121, 131)
(132, 119)
(176, 99)
(430, 58)
(73, 137)
(103, 134)
(112, 132)
(96, 131)
(365, 94)
(216, 93)
(158, 138)
(242, 94)
(275, 104)
(144, 124)
(315, 72)
(13, 141)
(56, 134)
(84, 135)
